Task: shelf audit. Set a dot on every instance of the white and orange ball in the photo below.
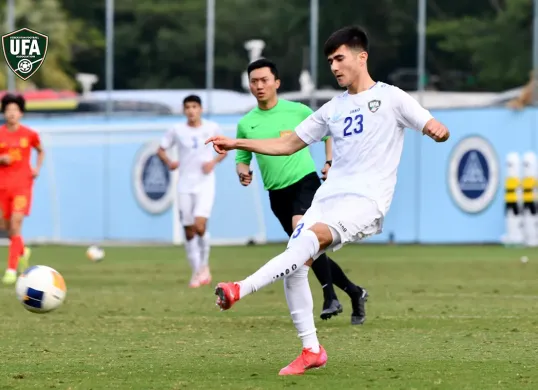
(40, 289)
(94, 253)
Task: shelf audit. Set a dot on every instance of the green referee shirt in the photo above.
(277, 171)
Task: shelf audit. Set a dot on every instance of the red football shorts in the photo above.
(14, 201)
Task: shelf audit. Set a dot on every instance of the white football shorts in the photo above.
(198, 204)
(350, 217)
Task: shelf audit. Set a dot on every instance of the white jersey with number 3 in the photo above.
(192, 154)
(368, 132)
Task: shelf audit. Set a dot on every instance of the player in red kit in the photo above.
(16, 180)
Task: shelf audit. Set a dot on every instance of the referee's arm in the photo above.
(242, 161)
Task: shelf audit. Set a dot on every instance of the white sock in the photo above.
(298, 252)
(193, 254)
(203, 242)
(301, 305)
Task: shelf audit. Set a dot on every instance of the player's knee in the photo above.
(200, 229)
(200, 226)
(323, 233)
(14, 231)
(190, 232)
(15, 224)
(295, 220)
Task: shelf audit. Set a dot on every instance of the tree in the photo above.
(161, 43)
(496, 46)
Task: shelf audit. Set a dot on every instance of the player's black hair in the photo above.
(263, 63)
(352, 36)
(193, 99)
(11, 98)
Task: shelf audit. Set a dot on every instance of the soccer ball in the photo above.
(94, 253)
(40, 289)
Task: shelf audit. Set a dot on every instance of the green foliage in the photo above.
(496, 47)
(161, 43)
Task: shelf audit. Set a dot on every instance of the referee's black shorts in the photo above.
(294, 200)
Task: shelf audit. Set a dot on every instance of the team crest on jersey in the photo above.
(24, 142)
(336, 117)
(374, 105)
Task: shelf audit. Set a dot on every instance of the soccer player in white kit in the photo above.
(196, 184)
(367, 125)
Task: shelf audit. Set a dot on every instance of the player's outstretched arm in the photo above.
(436, 130)
(283, 146)
(412, 115)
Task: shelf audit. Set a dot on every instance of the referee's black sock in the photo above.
(322, 270)
(340, 279)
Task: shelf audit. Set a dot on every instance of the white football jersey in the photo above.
(367, 130)
(192, 154)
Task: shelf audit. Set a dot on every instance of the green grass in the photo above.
(438, 318)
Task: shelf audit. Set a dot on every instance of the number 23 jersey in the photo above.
(367, 129)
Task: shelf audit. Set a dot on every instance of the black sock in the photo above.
(340, 279)
(322, 270)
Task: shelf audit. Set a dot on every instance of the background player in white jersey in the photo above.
(196, 185)
(367, 125)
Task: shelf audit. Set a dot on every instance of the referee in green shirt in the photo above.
(292, 180)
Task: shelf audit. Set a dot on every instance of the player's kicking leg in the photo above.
(326, 270)
(349, 218)
(322, 270)
(292, 267)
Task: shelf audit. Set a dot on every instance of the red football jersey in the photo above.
(18, 145)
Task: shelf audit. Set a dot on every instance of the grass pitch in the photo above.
(438, 318)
